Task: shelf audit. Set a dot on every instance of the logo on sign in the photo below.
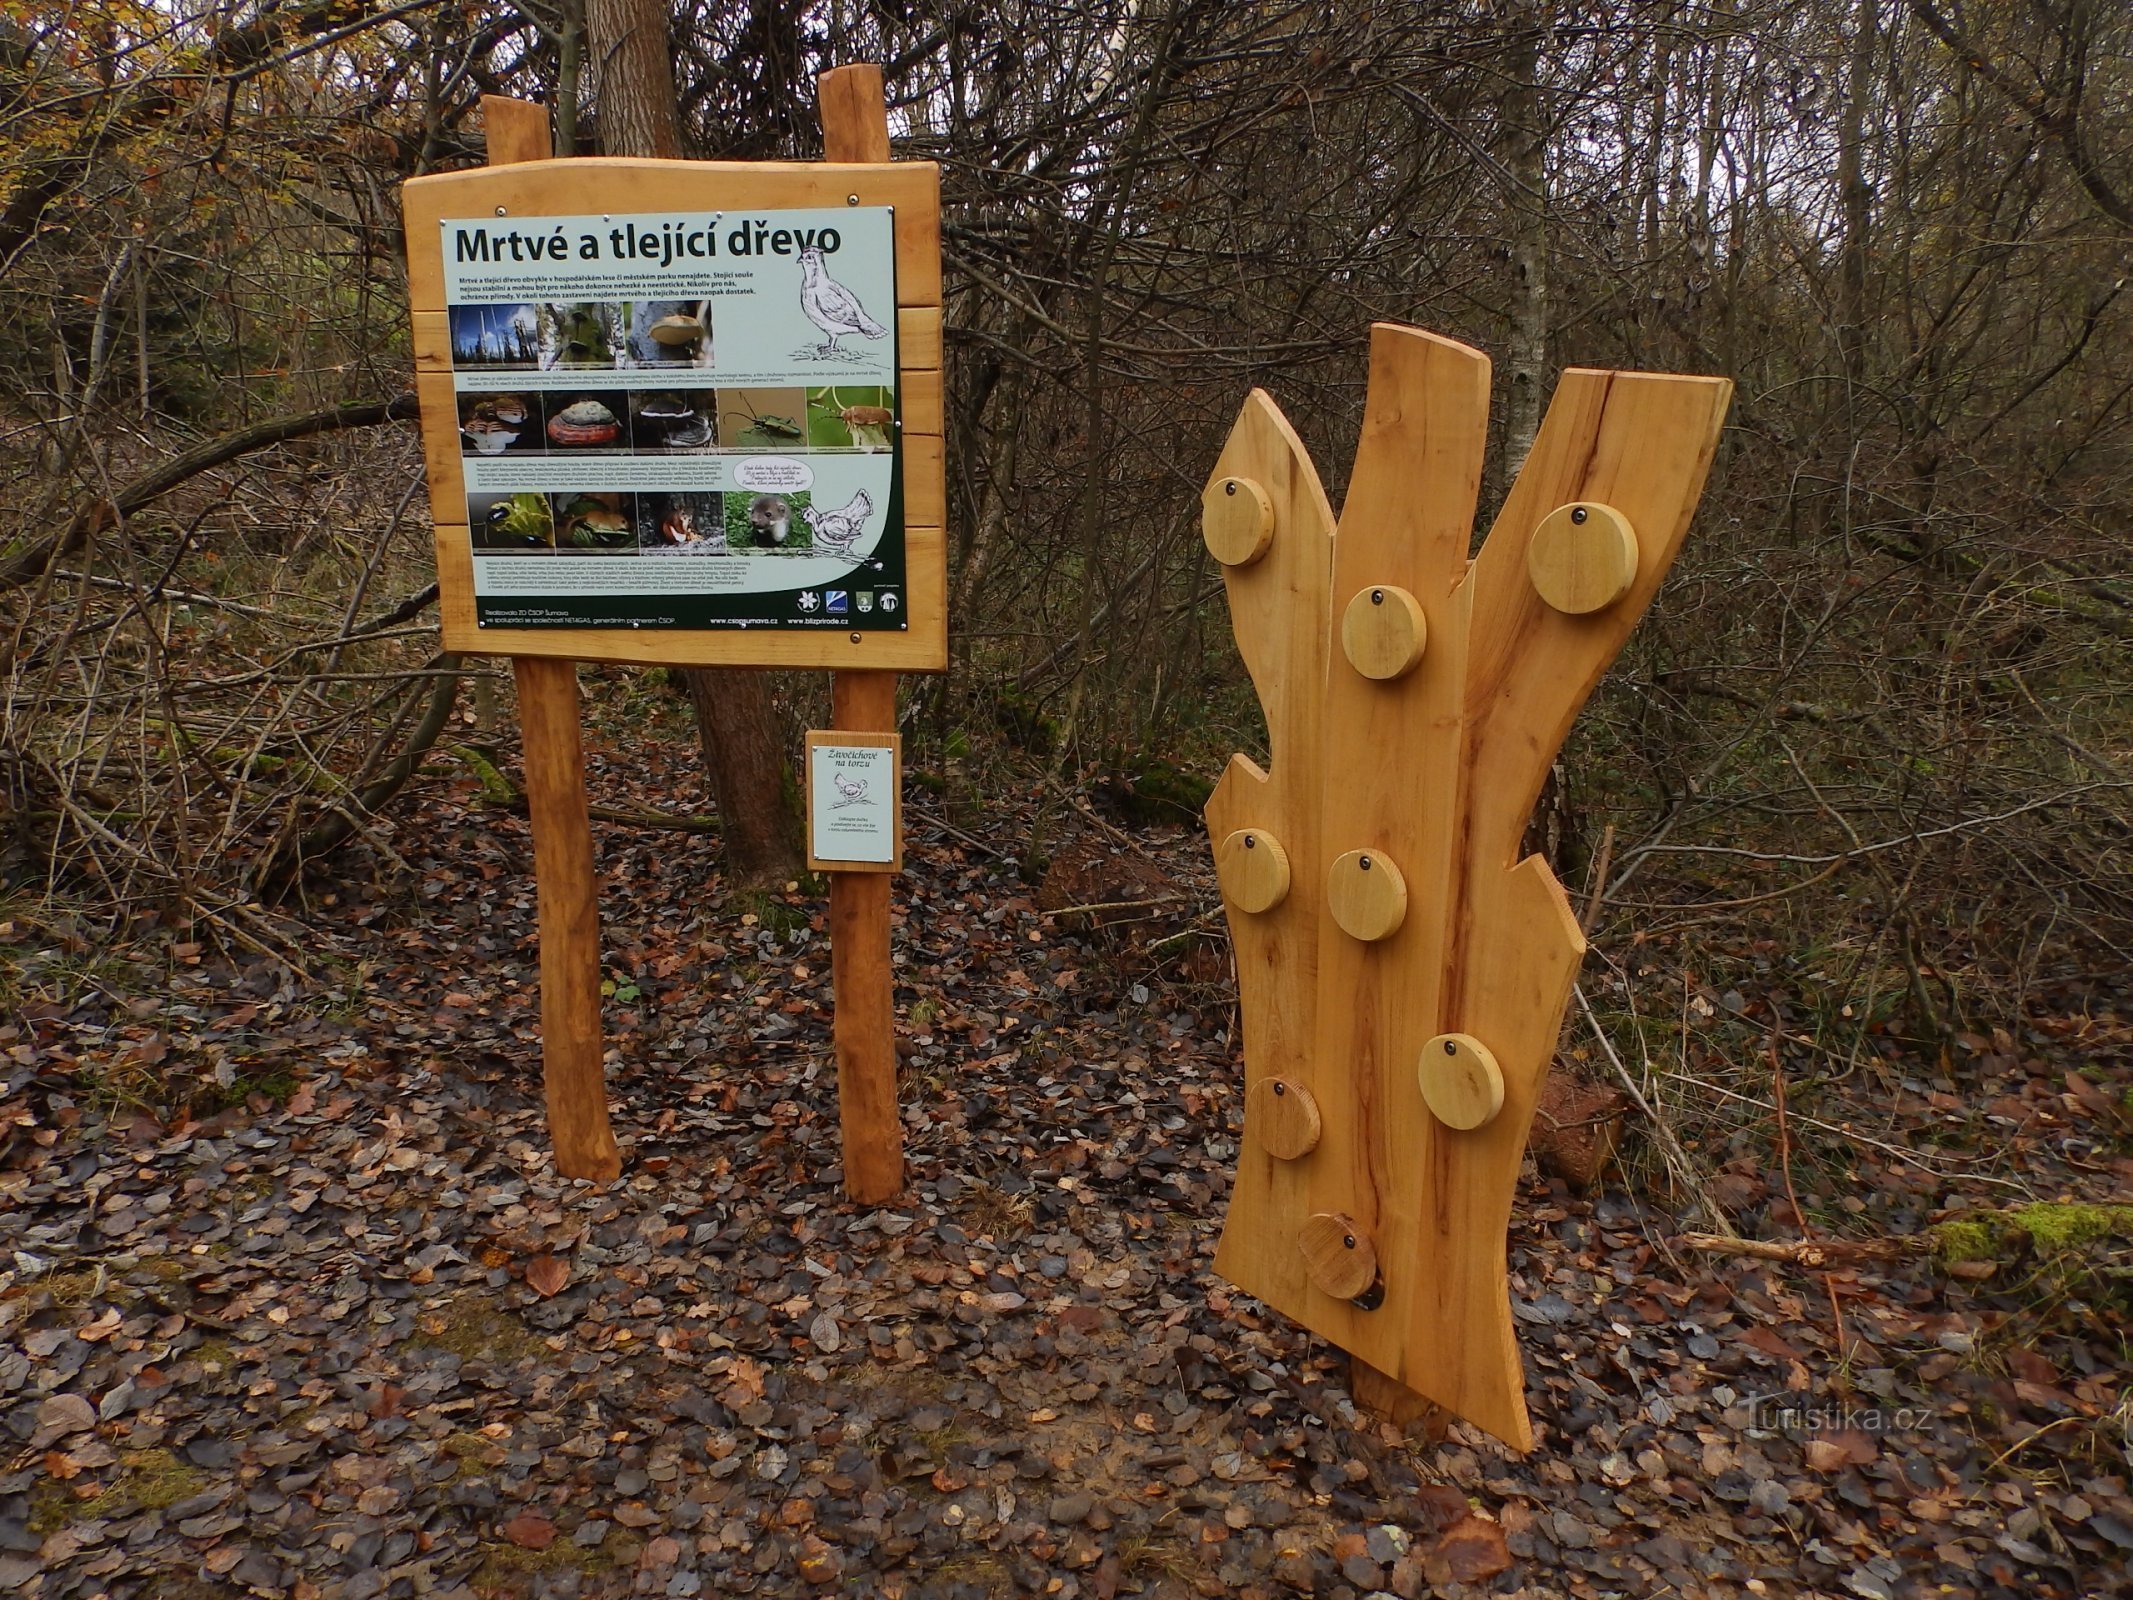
(865, 599)
(888, 602)
(838, 602)
(809, 600)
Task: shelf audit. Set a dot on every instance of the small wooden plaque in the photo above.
(855, 810)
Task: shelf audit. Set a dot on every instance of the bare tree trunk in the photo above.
(743, 742)
(1526, 159)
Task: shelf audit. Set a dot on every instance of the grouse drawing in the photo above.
(837, 531)
(854, 791)
(830, 306)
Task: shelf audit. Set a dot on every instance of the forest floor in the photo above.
(349, 1336)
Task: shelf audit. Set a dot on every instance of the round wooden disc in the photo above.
(1253, 870)
(1283, 1117)
(1461, 1082)
(1237, 520)
(1383, 632)
(1339, 1258)
(1367, 895)
(1583, 557)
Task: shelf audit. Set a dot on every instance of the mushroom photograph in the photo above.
(669, 333)
(586, 423)
(500, 424)
(671, 419)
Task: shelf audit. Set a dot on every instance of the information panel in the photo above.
(854, 803)
(679, 420)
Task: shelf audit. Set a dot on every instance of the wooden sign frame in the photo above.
(828, 738)
(855, 133)
(594, 186)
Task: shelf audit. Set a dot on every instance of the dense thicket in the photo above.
(1879, 716)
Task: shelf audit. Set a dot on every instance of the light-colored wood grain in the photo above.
(1338, 1256)
(1367, 894)
(921, 401)
(1436, 771)
(1283, 1118)
(854, 113)
(918, 338)
(571, 1069)
(1461, 1082)
(1383, 632)
(855, 127)
(1583, 558)
(443, 465)
(566, 889)
(1236, 520)
(1277, 608)
(1252, 869)
(617, 185)
(516, 130)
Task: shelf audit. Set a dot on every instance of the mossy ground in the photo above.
(508, 1569)
(475, 1328)
(2049, 1228)
(152, 1480)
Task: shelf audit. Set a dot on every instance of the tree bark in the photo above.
(1525, 134)
(744, 743)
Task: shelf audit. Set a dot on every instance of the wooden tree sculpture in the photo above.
(1403, 973)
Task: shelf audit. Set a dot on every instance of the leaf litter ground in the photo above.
(349, 1336)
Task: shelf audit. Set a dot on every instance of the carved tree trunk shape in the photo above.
(1425, 778)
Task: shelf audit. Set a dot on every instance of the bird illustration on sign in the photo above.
(853, 791)
(836, 532)
(832, 307)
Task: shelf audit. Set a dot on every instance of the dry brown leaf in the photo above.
(531, 1530)
(547, 1275)
(1471, 1551)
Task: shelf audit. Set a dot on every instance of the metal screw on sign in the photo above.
(1579, 514)
(1364, 863)
(1377, 598)
(851, 199)
(1451, 1047)
(1230, 487)
(502, 212)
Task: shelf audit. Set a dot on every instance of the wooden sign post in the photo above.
(687, 413)
(1403, 973)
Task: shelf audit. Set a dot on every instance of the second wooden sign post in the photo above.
(688, 413)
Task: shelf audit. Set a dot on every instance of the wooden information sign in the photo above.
(1403, 973)
(687, 413)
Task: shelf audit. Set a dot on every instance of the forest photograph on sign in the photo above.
(679, 420)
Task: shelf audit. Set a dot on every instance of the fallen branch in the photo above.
(31, 563)
(1813, 1254)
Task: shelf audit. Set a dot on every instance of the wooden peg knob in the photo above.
(1253, 870)
(1583, 557)
(1367, 895)
(1237, 520)
(1283, 1117)
(1339, 1258)
(1383, 632)
(1461, 1082)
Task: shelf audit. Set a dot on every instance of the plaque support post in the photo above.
(571, 1070)
(855, 127)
